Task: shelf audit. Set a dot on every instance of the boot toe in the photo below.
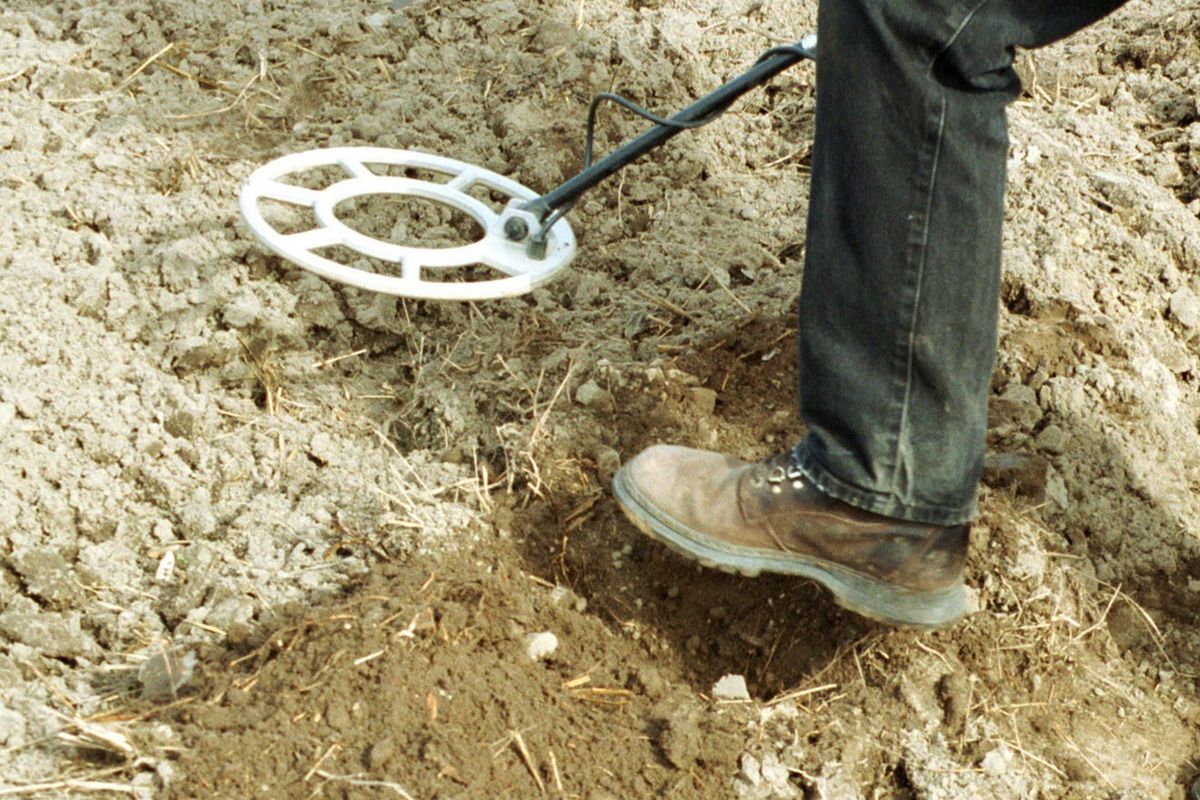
(664, 471)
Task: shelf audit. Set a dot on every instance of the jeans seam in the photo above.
(921, 246)
(962, 26)
(918, 254)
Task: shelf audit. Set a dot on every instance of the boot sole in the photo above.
(853, 590)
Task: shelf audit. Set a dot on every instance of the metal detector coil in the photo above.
(495, 249)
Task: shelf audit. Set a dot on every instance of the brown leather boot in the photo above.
(752, 518)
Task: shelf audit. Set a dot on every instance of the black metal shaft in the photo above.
(772, 63)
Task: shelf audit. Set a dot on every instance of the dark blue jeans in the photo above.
(901, 279)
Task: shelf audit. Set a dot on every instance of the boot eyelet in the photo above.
(776, 489)
(797, 484)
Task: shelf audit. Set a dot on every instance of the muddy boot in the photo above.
(752, 518)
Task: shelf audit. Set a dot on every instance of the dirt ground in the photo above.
(264, 536)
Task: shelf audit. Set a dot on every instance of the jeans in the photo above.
(900, 295)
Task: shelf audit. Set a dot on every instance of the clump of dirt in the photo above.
(268, 536)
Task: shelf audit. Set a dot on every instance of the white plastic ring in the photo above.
(493, 250)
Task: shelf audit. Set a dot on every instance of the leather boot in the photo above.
(752, 518)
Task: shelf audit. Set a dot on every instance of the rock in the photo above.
(1056, 490)
(182, 424)
(1030, 561)
(998, 761)
(764, 779)
(681, 738)
(750, 769)
(916, 690)
(1164, 169)
(562, 596)
(243, 310)
(704, 400)
(47, 575)
(377, 21)
(590, 395)
(540, 646)
(1024, 473)
(1016, 407)
(230, 612)
(652, 681)
(637, 324)
(181, 262)
(731, 687)
(1128, 628)
(380, 754)
(165, 672)
(954, 690)
(12, 728)
(1052, 439)
(608, 461)
(53, 635)
(1185, 307)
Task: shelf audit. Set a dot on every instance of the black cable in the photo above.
(589, 138)
(644, 113)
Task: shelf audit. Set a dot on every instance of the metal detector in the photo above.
(528, 241)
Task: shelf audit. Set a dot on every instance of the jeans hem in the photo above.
(877, 502)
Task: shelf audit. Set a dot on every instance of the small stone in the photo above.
(590, 395)
(1025, 473)
(1185, 307)
(51, 634)
(47, 575)
(243, 310)
(562, 596)
(231, 611)
(1052, 439)
(378, 20)
(775, 774)
(1128, 628)
(1056, 490)
(637, 324)
(998, 761)
(731, 687)
(12, 728)
(681, 738)
(1018, 406)
(704, 400)
(165, 672)
(954, 690)
(380, 754)
(181, 424)
(608, 461)
(750, 769)
(540, 646)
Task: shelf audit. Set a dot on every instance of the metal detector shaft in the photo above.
(772, 63)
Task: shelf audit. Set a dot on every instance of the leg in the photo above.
(901, 284)
(897, 320)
